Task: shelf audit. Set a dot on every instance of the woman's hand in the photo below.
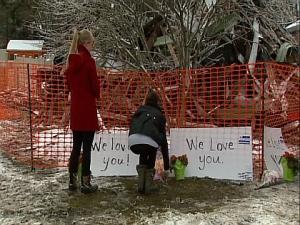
(66, 118)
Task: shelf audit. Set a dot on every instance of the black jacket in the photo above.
(150, 121)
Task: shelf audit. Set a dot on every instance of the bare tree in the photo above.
(165, 34)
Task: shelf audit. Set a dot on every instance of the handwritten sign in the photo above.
(224, 153)
(111, 155)
(274, 147)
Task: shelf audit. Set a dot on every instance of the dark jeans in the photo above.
(147, 154)
(82, 139)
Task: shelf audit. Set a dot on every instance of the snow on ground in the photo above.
(41, 198)
(278, 211)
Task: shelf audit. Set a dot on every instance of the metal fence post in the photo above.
(263, 80)
(30, 118)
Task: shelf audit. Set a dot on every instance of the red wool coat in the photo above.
(84, 85)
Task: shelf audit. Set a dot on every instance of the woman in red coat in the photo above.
(84, 87)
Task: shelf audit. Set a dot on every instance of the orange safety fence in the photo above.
(33, 100)
(14, 123)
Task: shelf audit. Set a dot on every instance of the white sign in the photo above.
(111, 156)
(224, 153)
(274, 147)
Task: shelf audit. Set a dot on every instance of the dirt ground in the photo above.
(41, 198)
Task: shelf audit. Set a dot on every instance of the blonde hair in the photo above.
(80, 37)
(85, 36)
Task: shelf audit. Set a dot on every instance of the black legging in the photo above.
(147, 154)
(82, 139)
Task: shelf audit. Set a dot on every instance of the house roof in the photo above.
(25, 45)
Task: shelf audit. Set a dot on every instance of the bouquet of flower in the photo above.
(179, 163)
(182, 158)
(292, 161)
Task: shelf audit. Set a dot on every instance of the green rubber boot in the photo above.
(150, 187)
(141, 170)
(73, 182)
(86, 186)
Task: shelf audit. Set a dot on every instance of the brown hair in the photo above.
(153, 99)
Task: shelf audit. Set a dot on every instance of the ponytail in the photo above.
(73, 47)
(80, 37)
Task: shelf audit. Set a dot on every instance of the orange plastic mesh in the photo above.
(231, 96)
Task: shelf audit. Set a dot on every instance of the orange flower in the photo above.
(173, 159)
(288, 155)
(182, 158)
